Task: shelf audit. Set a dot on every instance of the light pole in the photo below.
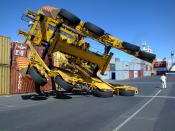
(172, 57)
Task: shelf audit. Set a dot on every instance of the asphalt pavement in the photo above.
(152, 110)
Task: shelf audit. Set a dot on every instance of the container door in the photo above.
(140, 73)
(135, 74)
(131, 74)
(113, 75)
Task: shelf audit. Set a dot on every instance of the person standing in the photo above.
(163, 80)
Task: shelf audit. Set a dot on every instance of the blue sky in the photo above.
(133, 21)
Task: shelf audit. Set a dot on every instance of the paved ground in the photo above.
(152, 110)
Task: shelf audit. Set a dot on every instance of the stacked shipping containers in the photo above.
(135, 70)
(120, 70)
(147, 67)
(24, 84)
(4, 65)
(20, 84)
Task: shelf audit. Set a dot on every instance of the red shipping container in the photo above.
(18, 50)
(25, 84)
(47, 87)
(140, 73)
(131, 74)
(21, 84)
(47, 60)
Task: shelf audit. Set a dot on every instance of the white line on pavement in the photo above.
(3, 105)
(166, 97)
(135, 113)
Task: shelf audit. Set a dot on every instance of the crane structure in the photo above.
(59, 31)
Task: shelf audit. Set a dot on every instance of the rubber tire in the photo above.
(95, 29)
(36, 76)
(130, 46)
(103, 94)
(126, 93)
(69, 16)
(147, 56)
(66, 86)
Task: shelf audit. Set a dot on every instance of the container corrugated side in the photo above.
(146, 73)
(135, 66)
(106, 75)
(122, 75)
(140, 73)
(112, 67)
(4, 50)
(135, 74)
(131, 74)
(4, 80)
(25, 84)
(121, 66)
(21, 84)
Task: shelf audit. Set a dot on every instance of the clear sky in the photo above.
(133, 21)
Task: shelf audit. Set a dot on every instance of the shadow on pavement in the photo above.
(34, 97)
(54, 94)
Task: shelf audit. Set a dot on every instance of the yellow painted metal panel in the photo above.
(4, 50)
(4, 80)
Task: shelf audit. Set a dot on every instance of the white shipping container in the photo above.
(131, 66)
(135, 66)
(112, 61)
(146, 73)
(122, 75)
(122, 66)
(106, 75)
(135, 74)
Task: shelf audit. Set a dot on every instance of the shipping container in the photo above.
(131, 74)
(4, 79)
(147, 67)
(121, 75)
(112, 61)
(18, 50)
(122, 66)
(22, 50)
(4, 50)
(135, 66)
(21, 84)
(146, 73)
(59, 59)
(112, 67)
(140, 73)
(25, 84)
(47, 60)
(106, 75)
(135, 74)
(113, 75)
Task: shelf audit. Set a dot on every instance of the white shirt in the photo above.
(163, 78)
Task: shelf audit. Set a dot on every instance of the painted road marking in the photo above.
(135, 113)
(166, 97)
(3, 105)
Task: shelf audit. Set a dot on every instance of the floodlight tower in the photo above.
(172, 57)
